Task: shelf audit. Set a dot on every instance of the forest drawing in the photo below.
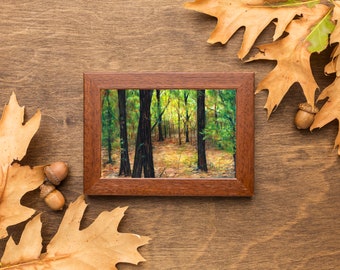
(168, 133)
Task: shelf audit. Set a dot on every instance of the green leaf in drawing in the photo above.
(319, 35)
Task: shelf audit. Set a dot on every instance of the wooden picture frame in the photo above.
(242, 184)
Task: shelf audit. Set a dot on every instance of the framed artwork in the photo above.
(169, 134)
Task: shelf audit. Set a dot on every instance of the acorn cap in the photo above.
(46, 189)
(308, 108)
(56, 172)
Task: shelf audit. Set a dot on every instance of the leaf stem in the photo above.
(289, 4)
(3, 178)
(38, 262)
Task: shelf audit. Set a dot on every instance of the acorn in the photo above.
(52, 197)
(56, 172)
(305, 116)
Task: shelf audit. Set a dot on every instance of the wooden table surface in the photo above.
(292, 222)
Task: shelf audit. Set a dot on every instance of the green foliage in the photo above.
(109, 117)
(132, 110)
(221, 119)
(110, 114)
(179, 113)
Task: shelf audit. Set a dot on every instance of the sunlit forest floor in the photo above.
(172, 160)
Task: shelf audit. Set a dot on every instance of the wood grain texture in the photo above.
(292, 222)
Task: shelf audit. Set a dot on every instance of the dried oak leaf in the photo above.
(20, 180)
(293, 59)
(15, 181)
(253, 15)
(99, 246)
(331, 109)
(334, 65)
(14, 135)
(27, 250)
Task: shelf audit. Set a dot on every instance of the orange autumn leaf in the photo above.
(293, 60)
(14, 135)
(253, 15)
(334, 65)
(99, 246)
(15, 181)
(330, 110)
(335, 37)
(301, 28)
(29, 247)
(20, 180)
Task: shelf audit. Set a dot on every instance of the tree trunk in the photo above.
(187, 117)
(202, 161)
(108, 125)
(179, 121)
(164, 127)
(159, 116)
(125, 168)
(143, 154)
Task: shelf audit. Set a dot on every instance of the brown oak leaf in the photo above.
(334, 65)
(29, 247)
(15, 181)
(253, 15)
(14, 135)
(293, 60)
(330, 110)
(20, 180)
(99, 246)
(335, 36)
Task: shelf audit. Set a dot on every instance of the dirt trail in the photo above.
(172, 160)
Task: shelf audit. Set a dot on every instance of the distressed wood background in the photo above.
(292, 222)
